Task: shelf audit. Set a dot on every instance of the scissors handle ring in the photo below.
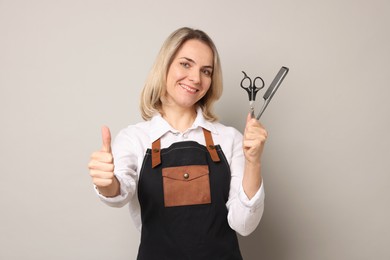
(248, 88)
(254, 83)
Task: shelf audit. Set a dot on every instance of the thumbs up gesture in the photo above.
(101, 167)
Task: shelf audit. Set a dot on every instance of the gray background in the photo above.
(68, 67)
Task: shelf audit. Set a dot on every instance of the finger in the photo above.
(96, 165)
(256, 134)
(248, 122)
(253, 132)
(259, 139)
(253, 149)
(255, 126)
(252, 122)
(102, 157)
(106, 137)
(252, 144)
(102, 182)
(101, 174)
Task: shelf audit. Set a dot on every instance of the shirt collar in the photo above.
(159, 126)
(200, 121)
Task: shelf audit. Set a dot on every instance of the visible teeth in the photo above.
(188, 88)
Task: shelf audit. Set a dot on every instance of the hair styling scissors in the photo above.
(252, 90)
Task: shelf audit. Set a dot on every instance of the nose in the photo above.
(194, 76)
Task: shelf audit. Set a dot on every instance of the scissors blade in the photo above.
(252, 108)
(273, 88)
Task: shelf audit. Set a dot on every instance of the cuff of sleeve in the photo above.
(117, 200)
(256, 201)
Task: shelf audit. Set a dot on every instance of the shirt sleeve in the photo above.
(125, 162)
(244, 214)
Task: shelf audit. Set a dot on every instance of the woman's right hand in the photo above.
(101, 167)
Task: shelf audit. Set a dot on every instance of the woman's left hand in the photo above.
(255, 136)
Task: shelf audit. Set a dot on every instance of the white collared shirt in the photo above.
(129, 149)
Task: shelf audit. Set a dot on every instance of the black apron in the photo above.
(186, 222)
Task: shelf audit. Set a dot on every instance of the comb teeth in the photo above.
(272, 88)
(275, 83)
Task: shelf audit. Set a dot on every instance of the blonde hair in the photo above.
(155, 86)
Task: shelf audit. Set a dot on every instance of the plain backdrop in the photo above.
(68, 67)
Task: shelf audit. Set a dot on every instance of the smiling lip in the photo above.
(189, 89)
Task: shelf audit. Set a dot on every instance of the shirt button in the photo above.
(186, 175)
(185, 136)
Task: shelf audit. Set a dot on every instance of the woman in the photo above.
(191, 183)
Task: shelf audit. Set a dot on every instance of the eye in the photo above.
(207, 72)
(185, 64)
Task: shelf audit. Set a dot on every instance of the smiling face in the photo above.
(189, 76)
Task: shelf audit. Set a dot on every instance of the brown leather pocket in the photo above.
(186, 185)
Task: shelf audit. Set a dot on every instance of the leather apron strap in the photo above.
(210, 145)
(156, 153)
(156, 149)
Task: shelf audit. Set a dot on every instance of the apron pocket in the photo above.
(186, 185)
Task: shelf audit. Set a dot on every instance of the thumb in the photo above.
(248, 118)
(106, 137)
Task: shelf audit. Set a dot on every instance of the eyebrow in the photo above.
(192, 61)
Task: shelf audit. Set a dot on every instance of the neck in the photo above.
(179, 119)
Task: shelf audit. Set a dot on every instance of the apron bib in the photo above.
(183, 190)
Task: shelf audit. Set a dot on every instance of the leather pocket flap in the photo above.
(186, 185)
(185, 173)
